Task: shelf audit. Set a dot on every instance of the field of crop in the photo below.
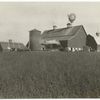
(49, 74)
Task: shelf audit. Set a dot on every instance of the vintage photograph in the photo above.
(49, 50)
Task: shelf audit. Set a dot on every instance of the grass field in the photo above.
(49, 74)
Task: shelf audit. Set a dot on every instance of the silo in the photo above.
(35, 40)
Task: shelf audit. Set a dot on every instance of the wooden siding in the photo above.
(79, 40)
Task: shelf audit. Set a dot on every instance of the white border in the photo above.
(49, 0)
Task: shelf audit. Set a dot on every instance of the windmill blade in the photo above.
(71, 17)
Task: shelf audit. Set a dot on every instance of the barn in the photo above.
(8, 46)
(71, 37)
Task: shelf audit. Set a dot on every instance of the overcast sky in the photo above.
(17, 19)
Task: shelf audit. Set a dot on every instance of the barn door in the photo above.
(64, 43)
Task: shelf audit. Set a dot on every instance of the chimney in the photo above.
(69, 25)
(54, 27)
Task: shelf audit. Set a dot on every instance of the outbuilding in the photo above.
(11, 46)
(91, 42)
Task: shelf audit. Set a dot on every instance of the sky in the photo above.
(18, 18)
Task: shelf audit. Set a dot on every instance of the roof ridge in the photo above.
(62, 28)
(8, 42)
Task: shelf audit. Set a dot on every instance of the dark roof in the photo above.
(61, 33)
(34, 30)
(5, 45)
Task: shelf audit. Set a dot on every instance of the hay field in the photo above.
(49, 74)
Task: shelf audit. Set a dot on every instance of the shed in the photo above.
(91, 42)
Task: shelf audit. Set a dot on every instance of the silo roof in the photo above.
(34, 30)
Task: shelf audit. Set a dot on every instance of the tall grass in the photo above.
(49, 75)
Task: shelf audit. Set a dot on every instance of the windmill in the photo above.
(71, 18)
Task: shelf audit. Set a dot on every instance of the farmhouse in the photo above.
(71, 37)
(8, 46)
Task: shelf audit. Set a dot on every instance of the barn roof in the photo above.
(60, 33)
(5, 45)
